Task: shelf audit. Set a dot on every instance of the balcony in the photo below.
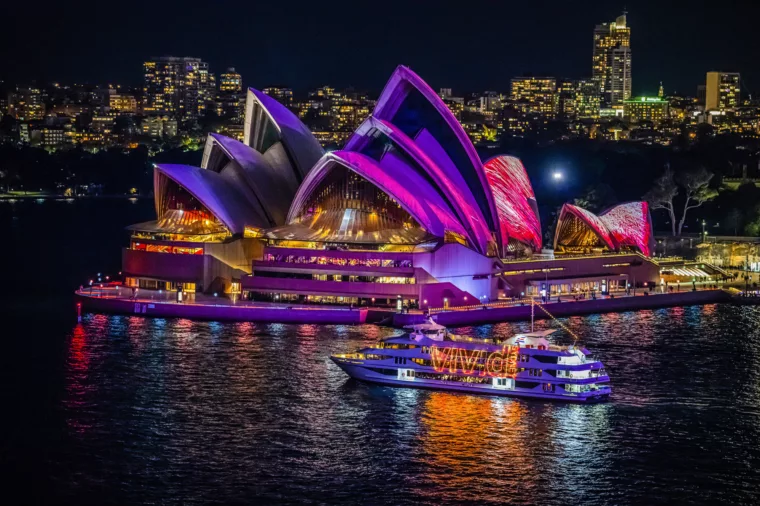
(359, 270)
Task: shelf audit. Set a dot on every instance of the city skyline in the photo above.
(468, 55)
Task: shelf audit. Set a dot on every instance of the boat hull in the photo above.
(362, 373)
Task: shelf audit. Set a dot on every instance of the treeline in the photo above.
(597, 175)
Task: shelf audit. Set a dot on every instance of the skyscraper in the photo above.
(722, 91)
(612, 61)
(178, 87)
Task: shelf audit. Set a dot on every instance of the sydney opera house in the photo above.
(405, 213)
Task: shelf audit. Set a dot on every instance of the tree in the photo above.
(734, 220)
(752, 227)
(696, 185)
(597, 198)
(663, 194)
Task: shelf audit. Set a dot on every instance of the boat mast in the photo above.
(532, 312)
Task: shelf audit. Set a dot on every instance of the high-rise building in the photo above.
(587, 99)
(26, 104)
(282, 95)
(230, 101)
(722, 91)
(577, 99)
(565, 98)
(612, 61)
(231, 106)
(534, 95)
(230, 82)
(178, 87)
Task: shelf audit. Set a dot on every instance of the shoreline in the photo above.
(6, 196)
(358, 316)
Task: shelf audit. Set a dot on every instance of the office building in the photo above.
(587, 99)
(611, 67)
(722, 91)
(654, 109)
(577, 99)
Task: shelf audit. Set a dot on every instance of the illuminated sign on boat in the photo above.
(499, 364)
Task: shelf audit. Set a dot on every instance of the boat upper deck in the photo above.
(529, 342)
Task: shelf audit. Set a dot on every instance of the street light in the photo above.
(557, 175)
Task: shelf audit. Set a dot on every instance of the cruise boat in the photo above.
(525, 365)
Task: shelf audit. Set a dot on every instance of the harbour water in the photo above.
(124, 409)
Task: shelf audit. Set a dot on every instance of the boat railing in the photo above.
(357, 356)
(464, 339)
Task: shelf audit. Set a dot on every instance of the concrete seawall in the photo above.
(562, 309)
(223, 312)
(345, 316)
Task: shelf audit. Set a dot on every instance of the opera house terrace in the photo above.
(405, 215)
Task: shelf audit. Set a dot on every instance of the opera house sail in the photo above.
(405, 214)
(622, 227)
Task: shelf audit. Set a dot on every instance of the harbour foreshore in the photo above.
(569, 308)
(223, 309)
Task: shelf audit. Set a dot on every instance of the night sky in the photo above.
(472, 45)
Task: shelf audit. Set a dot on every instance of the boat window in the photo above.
(545, 359)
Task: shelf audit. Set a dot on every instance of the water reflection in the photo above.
(77, 389)
(471, 447)
(170, 410)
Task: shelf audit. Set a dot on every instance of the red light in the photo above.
(622, 225)
(515, 201)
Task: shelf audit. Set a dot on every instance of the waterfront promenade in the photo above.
(162, 304)
(522, 311)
